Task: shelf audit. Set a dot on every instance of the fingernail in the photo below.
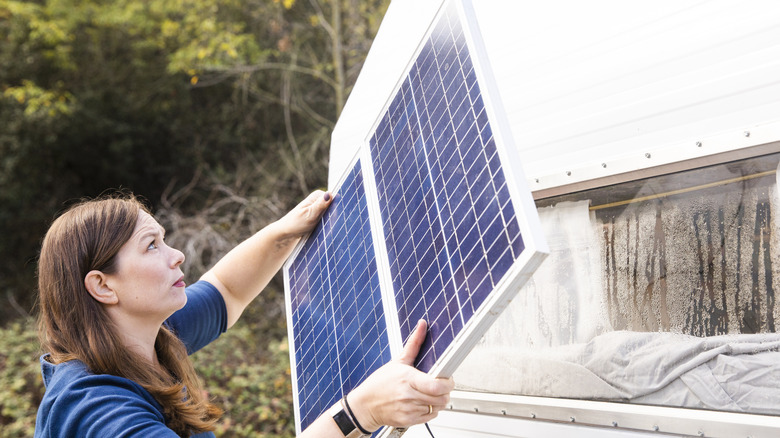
(326, 197)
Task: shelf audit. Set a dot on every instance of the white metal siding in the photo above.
(587, 84)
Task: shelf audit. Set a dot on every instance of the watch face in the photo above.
(345, 424)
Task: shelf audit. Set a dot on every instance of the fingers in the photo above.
(323, 201)
(422, 413)
(311, 199)
(432, 390)
(309, 211)
(413, 412)
(429, 412)
(400, 395)
(424, 399)
(415, 342)
(320, 202)
(316, 197)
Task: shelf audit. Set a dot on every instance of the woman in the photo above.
(118, 324)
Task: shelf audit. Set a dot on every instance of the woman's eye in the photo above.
(152, 246)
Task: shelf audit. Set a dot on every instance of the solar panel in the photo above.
(450, 228)
(335, 306)
(448, 225)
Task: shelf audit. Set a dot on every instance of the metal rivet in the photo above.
(503, 411)
(571, 419)
(537, 180)
(614, 424)
(476, 409)
(655, 428)
(747, 133)
(647, 155)
(604, 165)
(568, 173)
(698, 144)
(533, 415)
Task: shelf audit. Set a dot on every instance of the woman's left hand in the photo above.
(305, 216)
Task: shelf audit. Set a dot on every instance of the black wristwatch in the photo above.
(346, 425)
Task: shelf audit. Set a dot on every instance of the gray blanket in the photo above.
(739, 373)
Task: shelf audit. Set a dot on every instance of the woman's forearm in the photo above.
(324, 426)
(248, 268)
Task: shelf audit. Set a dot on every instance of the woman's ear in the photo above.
(96, 285)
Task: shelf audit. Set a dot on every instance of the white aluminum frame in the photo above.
(689, 422)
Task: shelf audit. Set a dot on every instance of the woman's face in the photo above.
(148, 280)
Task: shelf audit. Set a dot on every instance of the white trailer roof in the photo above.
(592, 88)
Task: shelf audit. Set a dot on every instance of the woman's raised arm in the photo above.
(244, 271)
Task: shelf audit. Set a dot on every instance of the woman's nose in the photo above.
(177, 258)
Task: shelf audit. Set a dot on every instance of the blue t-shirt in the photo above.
(78, 403)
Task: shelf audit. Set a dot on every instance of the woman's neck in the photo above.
(138, 336)
(142, 346)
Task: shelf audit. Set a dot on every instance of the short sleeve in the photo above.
(102, 406)
(202, 319)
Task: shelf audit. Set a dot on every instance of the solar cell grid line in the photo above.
(336, 319)
(455, 216)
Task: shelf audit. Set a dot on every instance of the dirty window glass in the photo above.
(658, 291)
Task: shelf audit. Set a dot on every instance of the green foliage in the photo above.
(21, 387)
(143, 95)
(219, 112)
(249, 378)
(40, 103)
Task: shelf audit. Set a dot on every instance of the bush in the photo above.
(21, 386)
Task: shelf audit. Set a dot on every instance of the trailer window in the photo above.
(658, 291)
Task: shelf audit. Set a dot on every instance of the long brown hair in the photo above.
(73, 325)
